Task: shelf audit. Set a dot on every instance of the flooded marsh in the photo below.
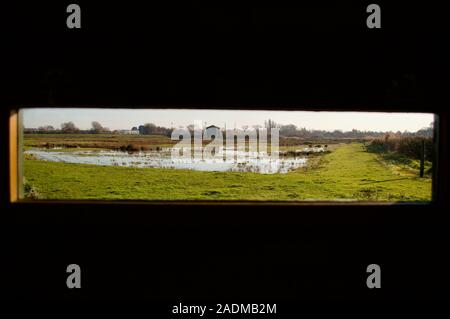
(239, 161)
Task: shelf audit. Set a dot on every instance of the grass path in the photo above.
(346, 173)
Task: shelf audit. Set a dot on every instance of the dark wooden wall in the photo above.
(315, 56)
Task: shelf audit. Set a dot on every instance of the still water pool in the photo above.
(257, 162)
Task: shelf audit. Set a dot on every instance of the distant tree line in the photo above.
(293, 131)
(68, 128)
(289, 130)
(152, 129)
(97, 128)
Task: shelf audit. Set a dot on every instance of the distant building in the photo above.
(213, 126)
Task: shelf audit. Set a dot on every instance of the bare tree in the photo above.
(45, 129)
(270, 124)
(97, 127)
(191, 127)
(69, 127)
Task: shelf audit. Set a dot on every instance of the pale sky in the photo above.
(127, 118)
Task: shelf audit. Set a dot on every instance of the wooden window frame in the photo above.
(16, 171)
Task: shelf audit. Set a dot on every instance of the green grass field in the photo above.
(96, 141)
(347, 173)
(70, 142)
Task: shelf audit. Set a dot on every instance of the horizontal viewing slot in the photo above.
(223, 155)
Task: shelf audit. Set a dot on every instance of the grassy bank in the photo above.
(348, 172)
(404, 153)
(97, 141)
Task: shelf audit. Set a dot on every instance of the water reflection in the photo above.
(256, 162)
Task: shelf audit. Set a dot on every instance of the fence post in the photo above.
(422, 157)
